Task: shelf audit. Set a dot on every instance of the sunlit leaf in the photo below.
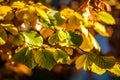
(67, 12)
(61, 56)
(32, 38)
(18, 4)
(18, 39)
(60, 19)
(101, 29)
(44, 59)
(26, 13)
(104, 62)
(74, 21)
(62, 35)
(53, 39)
(3, 36)
(106, 17)
(11, 28)
(69, 50)
(25, 56)
(79, 16)
(42, 14)
(74, 39)
(79, 63)
(4, 10)
(115, 70)
(86, 44)
(96, 69)
(94, 42)
(46, 32)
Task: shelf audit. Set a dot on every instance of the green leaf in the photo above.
(115, 70)
(26, 14)
(104, 62)
(32, 38)
(18, 39)
(25, 56)
(61, 57)
(44, 58)
(74, 39)
(97, 69)
(3, 36)
(62, 35)
(53, 39)
(42, 14)
(74, 21)
(60, 19)
(80, 61)
(52, 20)
(11, 28)
(106, 17)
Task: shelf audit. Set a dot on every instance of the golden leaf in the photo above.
(79, 63)
(96, 69)
(86, 44)
(46, 32)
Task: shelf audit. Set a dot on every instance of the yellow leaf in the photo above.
(42, 14)
(115, 69)
(67, 12)
(96, 69)
(4, 10)
(94, 42)
(84, 30)
(69, 50)
(79, 63)
(26, 13)
(101, 29)
(18, 4)
(86, 44)
(46, 32)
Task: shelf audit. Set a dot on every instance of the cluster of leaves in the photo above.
(40, 36)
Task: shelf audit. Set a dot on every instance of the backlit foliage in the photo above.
(39, 36)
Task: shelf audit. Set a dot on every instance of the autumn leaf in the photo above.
(74, 38)
(61, 57)
(25, 56)
(3, 36)
(46, 32)
(86, 44)
(100, 28)
(106, 17)
(79, 63)
(42, 14)
(44, 59)
(53, 39)
(32, 38)
(115, 70)
(97, 69)
(62, 35)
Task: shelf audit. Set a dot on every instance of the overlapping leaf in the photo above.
(32, 38)
(11, 28)
(53, 39)
(25, 56)
(44, 58)
(79, 63)
(61, 56)
(74, 39)
(3, 36)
